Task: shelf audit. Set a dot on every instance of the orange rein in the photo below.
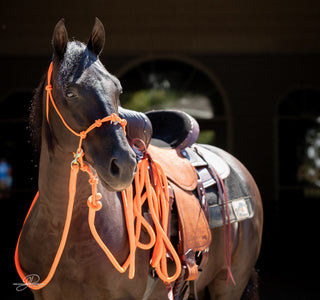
(156, 195)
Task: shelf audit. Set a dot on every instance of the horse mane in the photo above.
(35, 116)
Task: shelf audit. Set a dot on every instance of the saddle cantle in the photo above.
(173, 129)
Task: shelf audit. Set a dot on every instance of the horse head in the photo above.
(84, 91)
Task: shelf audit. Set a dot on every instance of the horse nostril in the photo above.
(114, 168)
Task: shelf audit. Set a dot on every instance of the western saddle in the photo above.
(170, 137)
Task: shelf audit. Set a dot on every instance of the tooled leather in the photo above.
(177, 168)
(196, 234)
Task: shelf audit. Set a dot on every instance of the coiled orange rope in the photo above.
(158, 203)
(156, 194)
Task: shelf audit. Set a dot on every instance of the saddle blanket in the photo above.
(240, 208)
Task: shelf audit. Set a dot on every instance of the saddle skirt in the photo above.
(177, 168)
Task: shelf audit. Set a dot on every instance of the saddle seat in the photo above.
(173, 129)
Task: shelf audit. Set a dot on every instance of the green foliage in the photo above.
(145, 100)
(310, 169)
(152, 99)
(206, 137)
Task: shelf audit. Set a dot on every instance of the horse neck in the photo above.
(54, 174)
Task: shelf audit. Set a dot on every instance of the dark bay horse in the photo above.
(85, 91)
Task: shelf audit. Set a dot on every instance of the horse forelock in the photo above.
(73, 57)
(76, 60)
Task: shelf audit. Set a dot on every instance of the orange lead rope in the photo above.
(72, 191)
(132, 208)
(156, 195)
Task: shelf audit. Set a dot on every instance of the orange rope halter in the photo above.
(156, 195)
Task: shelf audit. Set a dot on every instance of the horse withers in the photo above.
(84, 91)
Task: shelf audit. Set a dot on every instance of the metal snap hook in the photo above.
(76, 156)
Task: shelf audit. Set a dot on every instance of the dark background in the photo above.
(262, 59)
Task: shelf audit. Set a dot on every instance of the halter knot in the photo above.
(123, 123)
(93, 180)
(48, 87)
(98, 123)
(94, 203)
(83, 135)
(114, 118)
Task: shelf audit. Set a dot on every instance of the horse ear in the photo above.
(60, 39)
(97, 39)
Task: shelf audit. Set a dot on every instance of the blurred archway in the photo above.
(175, 84)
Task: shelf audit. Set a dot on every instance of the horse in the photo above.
(85, 91)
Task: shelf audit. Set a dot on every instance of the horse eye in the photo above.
(70, 94)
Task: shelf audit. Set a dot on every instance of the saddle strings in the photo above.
(225, 217)
(156, 194)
